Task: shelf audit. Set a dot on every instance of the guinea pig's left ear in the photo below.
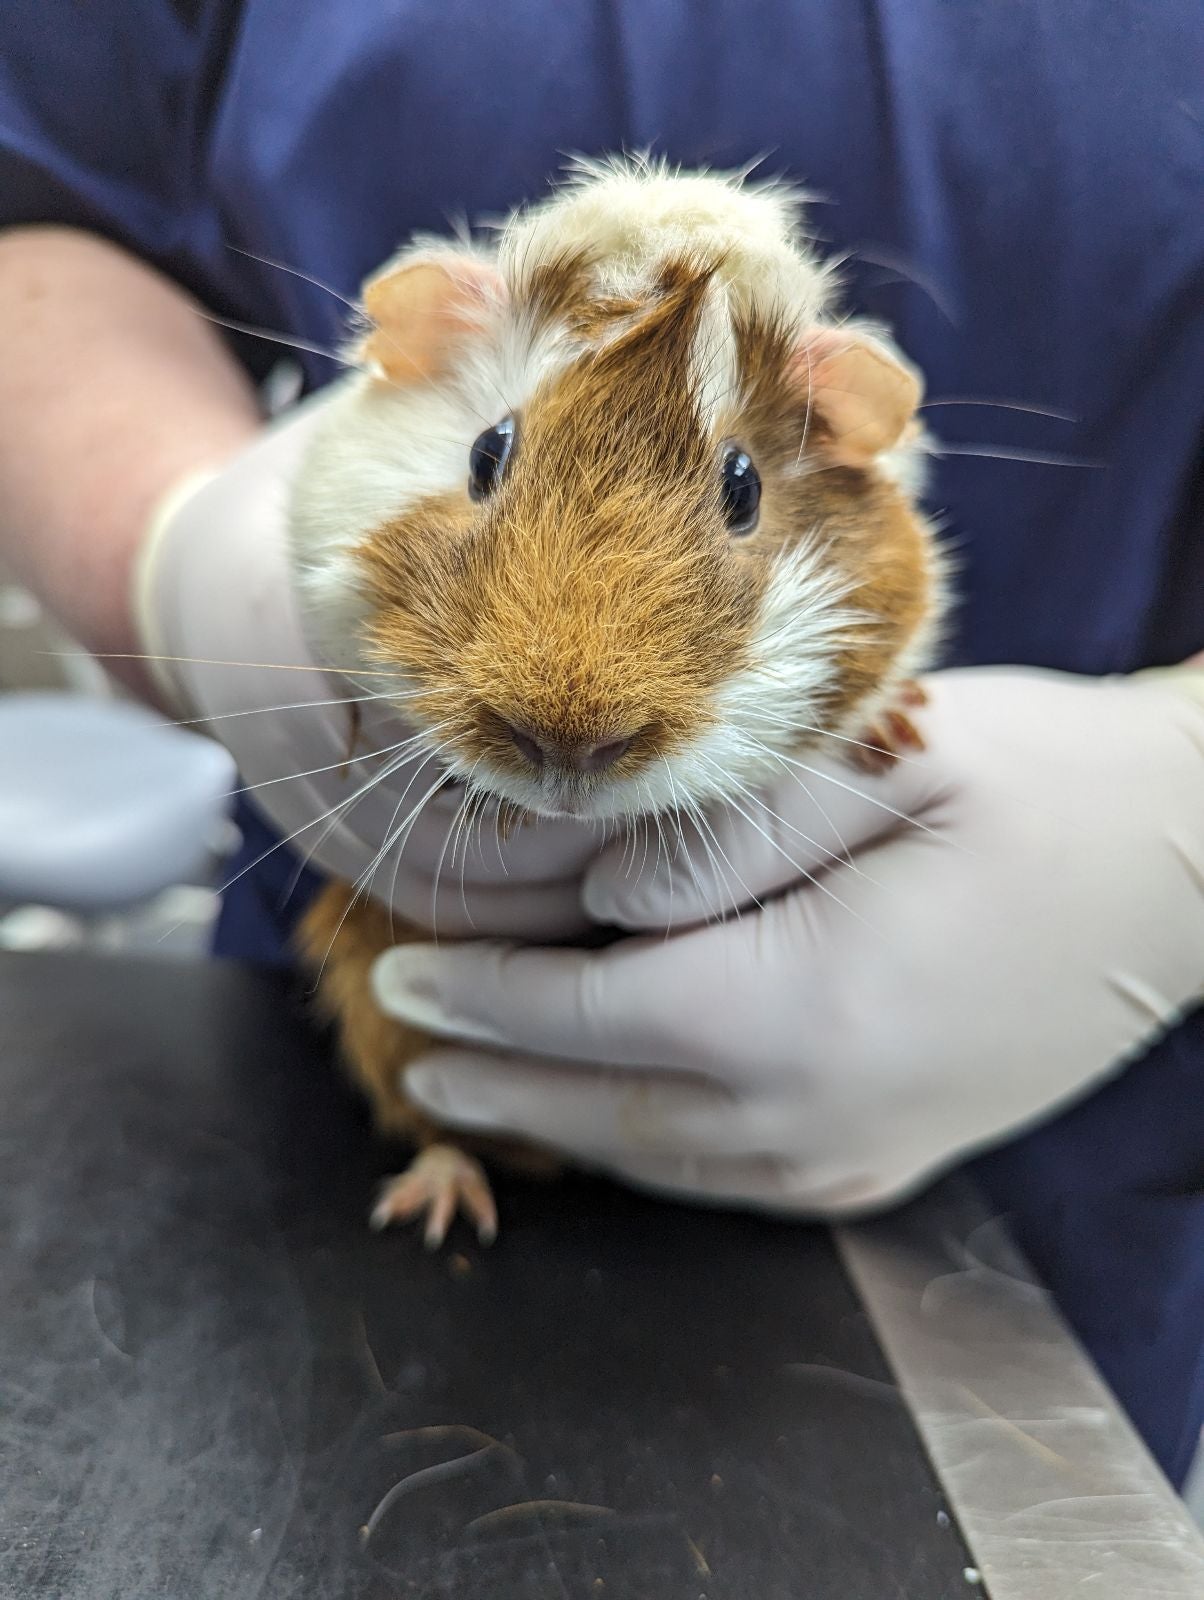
(423, 310)
(863, 391)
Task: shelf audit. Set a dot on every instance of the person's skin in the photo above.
(113, 387)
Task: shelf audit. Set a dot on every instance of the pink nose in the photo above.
(541, 751)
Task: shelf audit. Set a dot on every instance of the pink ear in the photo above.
(422, 311)
(864, 393)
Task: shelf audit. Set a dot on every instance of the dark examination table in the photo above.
(216, 1382)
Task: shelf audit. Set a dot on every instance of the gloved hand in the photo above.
(1022, 910)
(215, 607)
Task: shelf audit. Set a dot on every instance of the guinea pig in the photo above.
(624, 514)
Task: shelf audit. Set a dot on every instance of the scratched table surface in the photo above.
(216, 1382)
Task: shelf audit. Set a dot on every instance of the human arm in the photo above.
(113, 388)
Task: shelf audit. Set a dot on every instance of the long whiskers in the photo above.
(362, 885)
(294, 705)
(1051, 412)
(338, 816)
(792, 726)
(1000, 452)
(873, 800)
(731, 783)
(707, 832)
(844, 855)
(410, 744)
(218, 661)
(270, 336)
(280, 844)
(889, 261)
(295, 272)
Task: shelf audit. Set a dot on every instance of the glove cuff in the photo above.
(153, 635)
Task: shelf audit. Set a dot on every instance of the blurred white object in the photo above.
(41, 928)
(103, 805)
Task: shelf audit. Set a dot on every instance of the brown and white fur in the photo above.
(635, 326)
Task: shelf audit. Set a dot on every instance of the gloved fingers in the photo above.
(536, 850)
(430, 874)
(599, 1115)
(830, 1189)
(632, 1004)
(681, 1136)
(452, 907)
(765, 1182)
(807, 821)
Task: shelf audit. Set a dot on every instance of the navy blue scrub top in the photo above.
(1021, 185)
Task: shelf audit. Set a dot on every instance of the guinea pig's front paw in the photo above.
(890, 732)
(440, 1181)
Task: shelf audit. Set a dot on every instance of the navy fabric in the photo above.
(1020, 187)
(269, 889)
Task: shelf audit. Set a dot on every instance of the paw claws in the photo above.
(903, 731)
(441, 1181)
(890, 734)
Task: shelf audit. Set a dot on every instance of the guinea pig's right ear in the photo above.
(422, 312)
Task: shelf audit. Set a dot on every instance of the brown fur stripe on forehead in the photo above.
(564, 290)
(628, 407)
(666, 329)
(772, 407)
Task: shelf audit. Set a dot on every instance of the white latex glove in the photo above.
(215, 607)
(967, 973)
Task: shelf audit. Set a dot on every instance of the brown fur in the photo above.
(538, 607)
(598, 592)
(340, 939)
(869, 530)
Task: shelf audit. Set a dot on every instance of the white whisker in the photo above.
(845, 855)
(827, 733)
(272, 337)
(296, 705)
(295, 272)
(706, 830)
(219, 661)
(1002, 452)
(414, 740)
(873, 800)
(280, 844)
(1004, 405)
(831, 855)
(811, 878)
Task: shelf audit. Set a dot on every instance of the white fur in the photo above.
(633, 213)
(383, 448)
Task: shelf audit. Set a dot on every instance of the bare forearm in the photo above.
(112, 388)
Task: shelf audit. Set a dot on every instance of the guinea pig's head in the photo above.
(623, 551)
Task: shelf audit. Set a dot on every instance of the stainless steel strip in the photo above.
(1054, 1490)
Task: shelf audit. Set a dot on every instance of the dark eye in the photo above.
(488, 457)
(740, 484)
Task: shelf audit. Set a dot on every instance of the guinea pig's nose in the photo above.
(599, 757)
(541, 751)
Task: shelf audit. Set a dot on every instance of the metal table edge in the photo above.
(1052, 1487)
